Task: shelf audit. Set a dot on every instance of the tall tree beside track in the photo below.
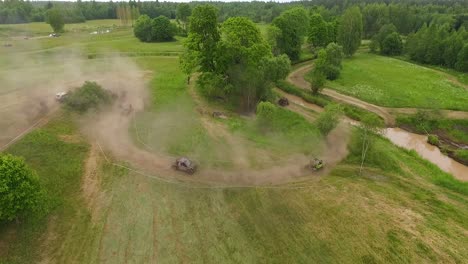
(204, 36)
(350, 31)
(293, 24)
(235, 61)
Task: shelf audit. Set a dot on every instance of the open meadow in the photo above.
(113, 197)
(391, 82)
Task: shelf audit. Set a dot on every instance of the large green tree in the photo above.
(247, 63)
(20, 190)
(377, 39)
(239, 66)
(204, 36)
(318, 31)
(158, 29)
(293, 25)
(350, 31)
(55, 19)
(329, 61)
(392, 44)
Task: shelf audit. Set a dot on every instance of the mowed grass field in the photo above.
(395, 83)
(401, 209)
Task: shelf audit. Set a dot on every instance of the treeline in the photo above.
(439, 45)
(407, 15)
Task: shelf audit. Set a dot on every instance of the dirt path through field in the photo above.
(387, 113)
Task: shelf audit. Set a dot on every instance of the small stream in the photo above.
(419, 143)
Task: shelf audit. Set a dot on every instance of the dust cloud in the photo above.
(27, 95)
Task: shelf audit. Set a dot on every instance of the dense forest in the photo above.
(407, 15)
(427, 31)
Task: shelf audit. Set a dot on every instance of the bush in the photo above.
(265, 114)
(433, 140)
(462, 154)
(330, 118)
(158, 29)
(20, 191)
(55, 19)
(90, 95)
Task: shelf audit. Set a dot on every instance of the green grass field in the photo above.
(401, 209)
(394, 83)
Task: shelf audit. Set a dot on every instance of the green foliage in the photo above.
(293, 25)
(204, 36)
(384, 78)
(350, 31)
(89, 95)
(425, 122)
(265, 113)
(273, 33)
(317, 80)
(374, 15)
(462, 59)
(142, 28)
(433, 140)
(158, 29)
(438, 45)
(329, 61)
(462, 154)
(329, 118)
(318, 35)
(183, 13)
(55, 19)
(392, 45)
(240, 65)
(20, 190)
(378, 38)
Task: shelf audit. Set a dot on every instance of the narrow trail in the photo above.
(387, 113)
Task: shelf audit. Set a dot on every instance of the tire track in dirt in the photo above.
(387, 113)
(297, 78)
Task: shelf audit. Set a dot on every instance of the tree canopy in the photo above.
(350, 31)
(293, 25)
(20, 190)
(158, 29)
(234, 59)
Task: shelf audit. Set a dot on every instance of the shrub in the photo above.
(20, 191)
(433, 140)
(90, 95)
(462, 154)
(55, 19)
(265, 114)
(330, 118)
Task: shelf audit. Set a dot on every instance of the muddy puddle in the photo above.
(419, 143)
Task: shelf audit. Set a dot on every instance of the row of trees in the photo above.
(234, 59)
(439, 45)
(406, 15)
